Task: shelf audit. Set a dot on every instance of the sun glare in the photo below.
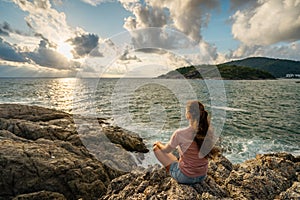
(65, 49)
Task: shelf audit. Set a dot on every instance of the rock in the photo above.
(30, 113)
(262, 178)
(155, 183)
(43, 156)
(33, 122)
(268, 176)
(27, 167)
(40, 195)
(59, 156)
(129, 140)
(113, 146)
(291, 193)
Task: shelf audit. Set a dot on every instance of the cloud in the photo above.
(6, 30)
(128, 57)
(269, 22)
(142, 26)
(286, 51)
(3, 32)
(146, 16)
(187, 16)
(55, 38)
(97, 2)
(237, 4)
(84, 44)
(44, 4)
(169, 25)
(45, 20)
(153, 50)
(11, 69)
(51, 25)
(48, 57)
(9, 52)
(207, 54)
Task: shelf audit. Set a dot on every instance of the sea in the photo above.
(249, 117)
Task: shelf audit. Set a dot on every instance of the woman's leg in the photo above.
(166, 159)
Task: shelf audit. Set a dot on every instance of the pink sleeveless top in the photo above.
(190, 163)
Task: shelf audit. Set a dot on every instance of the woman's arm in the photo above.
(164, 148)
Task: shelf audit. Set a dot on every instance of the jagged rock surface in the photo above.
(269, 176)
(43, 156)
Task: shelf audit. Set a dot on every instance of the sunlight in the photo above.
(65, 49)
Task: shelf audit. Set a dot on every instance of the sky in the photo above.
(147, 38)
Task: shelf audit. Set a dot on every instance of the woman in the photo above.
(195, 144)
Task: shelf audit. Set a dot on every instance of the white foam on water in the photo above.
(229, 108)
(238, 149)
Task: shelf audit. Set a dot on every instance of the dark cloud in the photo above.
(153, 50)
(6, 29)
(95, 53)
(237, 4)
(84, 44)
(47, 57)
(159, 38)
(3, 32)
(126, 56)
(9, 52)
(44, 39)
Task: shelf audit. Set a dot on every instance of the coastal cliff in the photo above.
(44, 156)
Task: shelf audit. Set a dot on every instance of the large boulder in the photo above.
(43, 156)
(27, 167)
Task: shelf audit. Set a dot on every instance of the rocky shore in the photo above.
(48, 154)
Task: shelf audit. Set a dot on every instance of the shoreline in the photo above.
(109, 121)
(44, 156)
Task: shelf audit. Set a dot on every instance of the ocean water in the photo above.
(250, 117)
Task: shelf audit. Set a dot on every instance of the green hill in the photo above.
(229, 72)
(277, 67)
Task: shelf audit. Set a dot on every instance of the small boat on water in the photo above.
(297, 81)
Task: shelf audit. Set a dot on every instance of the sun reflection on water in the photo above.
(60, 93)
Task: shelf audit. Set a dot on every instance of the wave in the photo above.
(229, 108)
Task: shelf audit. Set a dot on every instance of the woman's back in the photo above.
(190, 162)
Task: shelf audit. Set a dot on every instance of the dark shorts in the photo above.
(176, 173)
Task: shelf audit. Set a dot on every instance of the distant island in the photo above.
(255, 68)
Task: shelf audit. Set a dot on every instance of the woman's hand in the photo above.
(157, 145)
(160, 146)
